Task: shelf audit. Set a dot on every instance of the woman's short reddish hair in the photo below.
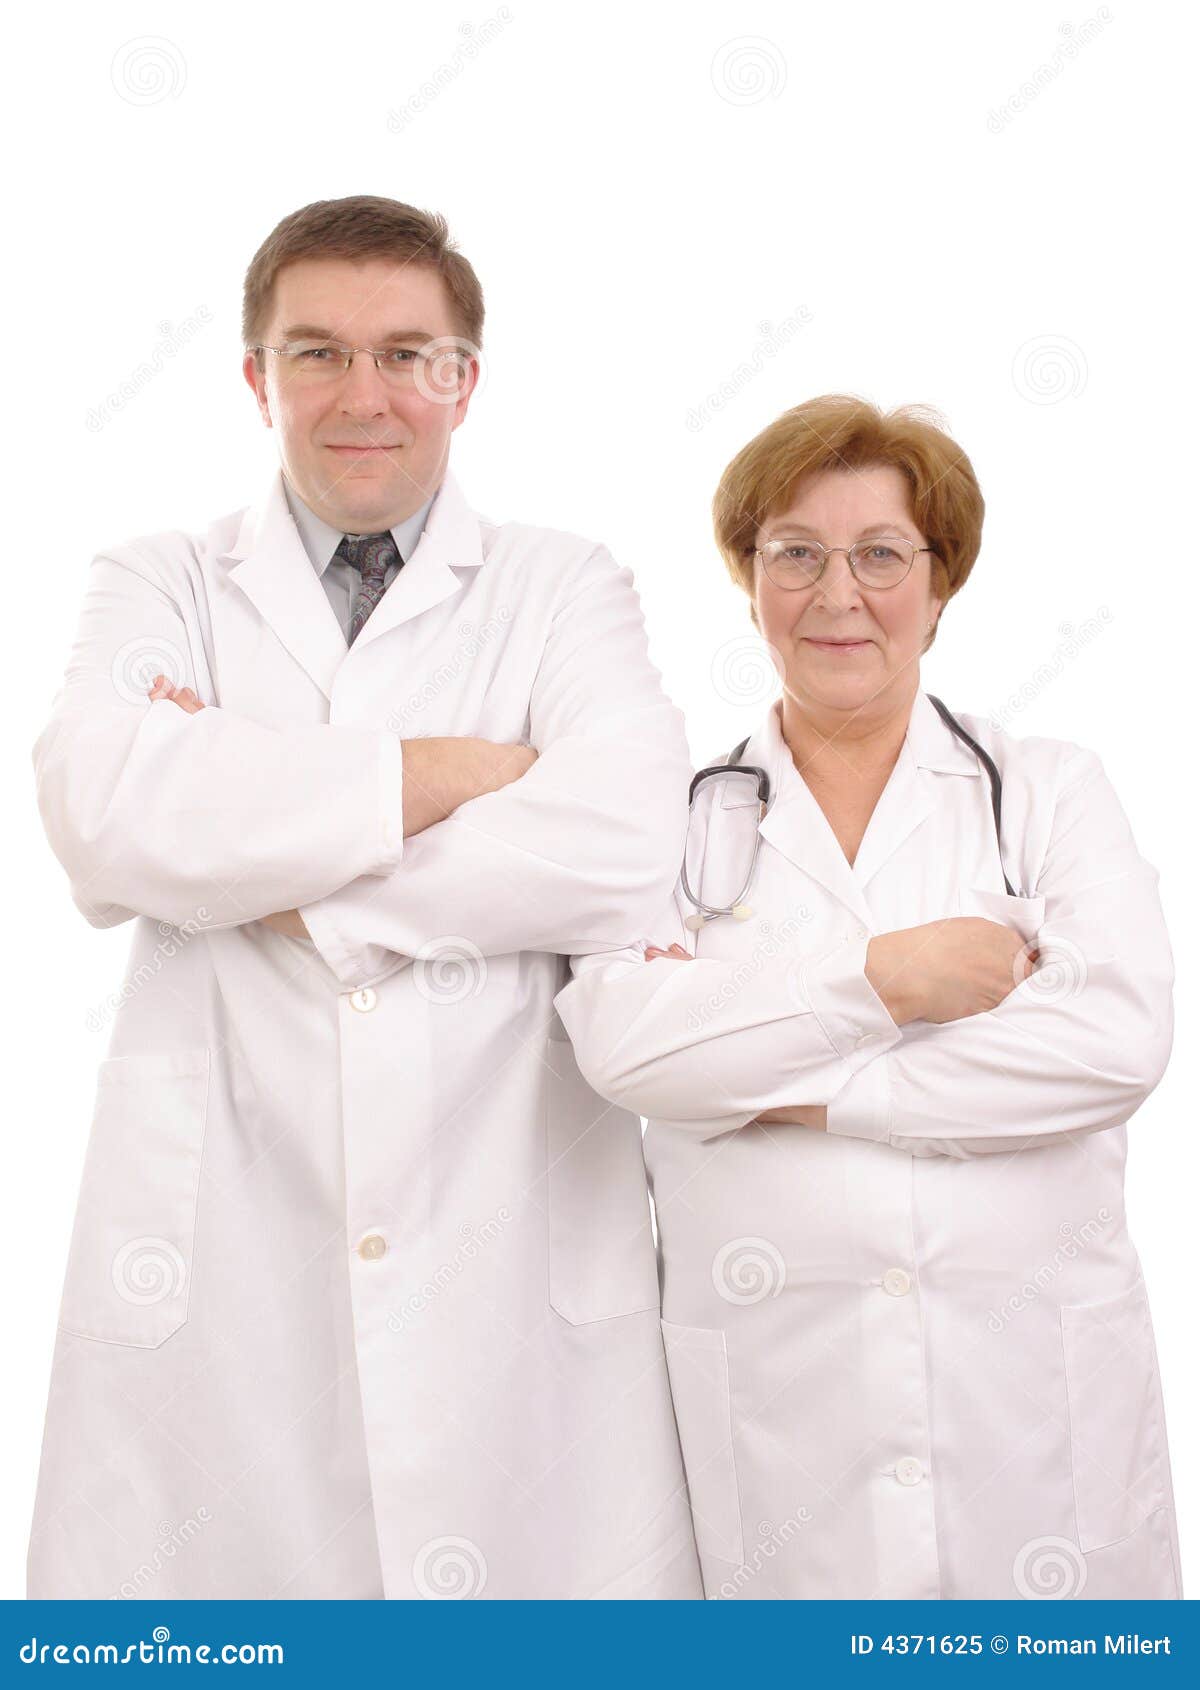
(837, 432)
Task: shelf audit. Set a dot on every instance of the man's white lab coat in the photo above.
(361, 1298)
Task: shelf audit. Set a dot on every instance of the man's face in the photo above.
(362, 452)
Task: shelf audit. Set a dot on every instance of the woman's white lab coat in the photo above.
(358, 1303)
(910, 1356)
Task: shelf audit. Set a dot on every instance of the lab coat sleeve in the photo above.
(708, 1045)
(212, 818)
(1078, 1046)
(572, 857)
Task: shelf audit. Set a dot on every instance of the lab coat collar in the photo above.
(321, 541)
(273, 569)
(795, 824)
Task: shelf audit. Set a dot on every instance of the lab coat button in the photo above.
(896, 1282)
(909, 1470)
(365, 998)
(372, 1247)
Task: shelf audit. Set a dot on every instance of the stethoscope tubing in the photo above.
(731, 766)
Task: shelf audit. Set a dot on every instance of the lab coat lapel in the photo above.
(276, 574)
(902, 806)
(450, 542)
(795, 825)
(929, 751)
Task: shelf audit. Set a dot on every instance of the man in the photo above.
(361, 1298)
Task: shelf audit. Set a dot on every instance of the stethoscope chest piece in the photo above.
(739, 912)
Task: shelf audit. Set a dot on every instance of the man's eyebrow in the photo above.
(309, 331)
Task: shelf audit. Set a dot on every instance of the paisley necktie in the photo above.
(370, 554)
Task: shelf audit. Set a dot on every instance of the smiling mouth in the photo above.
(334, 447)
(835, 645)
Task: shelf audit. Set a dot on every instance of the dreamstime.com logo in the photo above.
(1074, 1240)
(1049, 1569)
(748, 1270)
(172, 940)
(771, 1540)
(172, 338)
(473, 1241)
(774, 943)
(171, 1539)
(449, 1569)
(474, 38)
(473, 641)
(158, 1651)
(148, 1270)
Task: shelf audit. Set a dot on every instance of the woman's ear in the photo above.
(936, 606)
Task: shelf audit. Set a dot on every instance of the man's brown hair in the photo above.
(361, 227)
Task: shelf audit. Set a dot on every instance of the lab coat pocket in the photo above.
(698, 1365)
(600, 1246)
(130, 1261)
(1117, 1441)
(1025, 914)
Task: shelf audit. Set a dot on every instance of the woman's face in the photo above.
(845, 647)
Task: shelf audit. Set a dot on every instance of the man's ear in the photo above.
(473, 377)
(256, 375)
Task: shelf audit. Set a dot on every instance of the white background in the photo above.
(686, 219)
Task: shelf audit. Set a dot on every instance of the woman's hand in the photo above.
(946, 970)
(183, 696)
(796, 1114)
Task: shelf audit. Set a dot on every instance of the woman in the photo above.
(909, 1342)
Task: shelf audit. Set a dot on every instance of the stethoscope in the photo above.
(739, 909)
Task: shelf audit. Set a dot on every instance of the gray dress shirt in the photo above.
(340, 579)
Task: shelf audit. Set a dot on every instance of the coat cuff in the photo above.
(391, 803)
(863, 1107)
(850, 1012)
(356, 964)
(854, 1019)
(343, 959)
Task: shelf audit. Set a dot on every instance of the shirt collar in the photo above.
(321, 541)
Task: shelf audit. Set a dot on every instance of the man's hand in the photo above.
(814, 1115)
(441, 774)
(290, 922)
(183, 696)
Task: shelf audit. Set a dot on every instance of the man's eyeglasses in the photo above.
(439, 369)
